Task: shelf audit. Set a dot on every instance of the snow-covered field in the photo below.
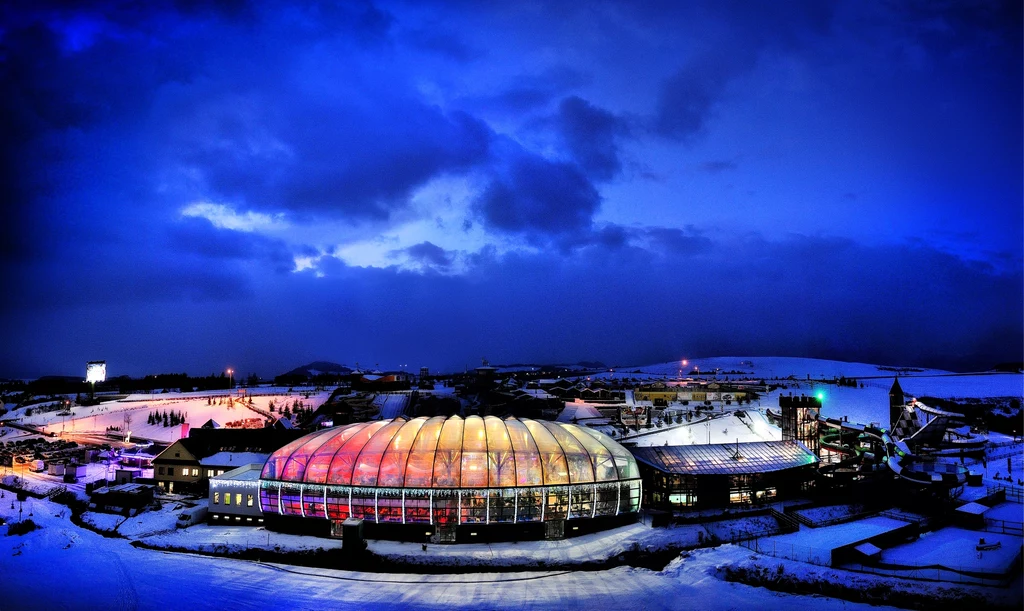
(196, 406)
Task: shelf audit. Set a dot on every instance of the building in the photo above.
(233, 496)
(452, 480)
(124, 499)
(800, 420)
(723, 475)
(222, 462)
(189, 463)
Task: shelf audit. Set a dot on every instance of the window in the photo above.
(161, 471)
(238, 499)
(227, 498)
(220, 472)
(216, 498)
(209, 473)
(248, 500)
(170, 470)
(195, 472)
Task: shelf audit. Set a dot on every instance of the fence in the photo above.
(1006, 527)
(790, 551)
(1013, 494)
(934, 573)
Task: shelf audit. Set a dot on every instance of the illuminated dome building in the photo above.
(455, 480)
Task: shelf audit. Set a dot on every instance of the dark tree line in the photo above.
(167, 418)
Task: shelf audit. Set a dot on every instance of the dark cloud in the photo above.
(742, 32)
(430, 255)
(590, 134)
(538, 195)
(199, 237)
(659, 242)
(687, 99)
(529, 92)
(349, 157)
(950, 30)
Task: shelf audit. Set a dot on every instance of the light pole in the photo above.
(231, 383)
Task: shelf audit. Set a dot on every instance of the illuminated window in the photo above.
(238, 499)
(248, 500)
(227, 498)
(216, 498)
(195, 472)
(209, 473)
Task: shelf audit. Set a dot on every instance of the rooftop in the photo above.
(726, 458)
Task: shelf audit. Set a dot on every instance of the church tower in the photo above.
(896, 402)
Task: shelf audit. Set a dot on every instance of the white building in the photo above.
(234, 496)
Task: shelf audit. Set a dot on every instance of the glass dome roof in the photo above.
(451, 452)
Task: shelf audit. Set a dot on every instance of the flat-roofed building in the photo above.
(234, 496)
(720, 475)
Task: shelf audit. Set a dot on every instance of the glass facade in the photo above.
(477, 470)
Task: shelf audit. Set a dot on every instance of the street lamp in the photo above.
(231, 383)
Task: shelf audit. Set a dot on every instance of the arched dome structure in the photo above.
(448, 471)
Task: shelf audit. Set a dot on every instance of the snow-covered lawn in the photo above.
(954, 548)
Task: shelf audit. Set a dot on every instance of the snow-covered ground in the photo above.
(196, 406)
(391, 405)
(816, 544)
(725, 427)
(955, 548)
(63, 566)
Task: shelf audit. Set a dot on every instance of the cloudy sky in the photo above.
(194, 185)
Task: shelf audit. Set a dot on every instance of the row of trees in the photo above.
(297, 409)
(168, 418)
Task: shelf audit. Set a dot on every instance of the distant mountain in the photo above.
(318, 367)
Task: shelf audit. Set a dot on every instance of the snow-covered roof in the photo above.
(247, 473)
(972, 508)
(224, 459)
(578, 411)
(726, 458)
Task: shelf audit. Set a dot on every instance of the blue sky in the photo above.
(195, 185)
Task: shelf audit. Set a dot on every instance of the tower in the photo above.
(896, 402)
(800, 420)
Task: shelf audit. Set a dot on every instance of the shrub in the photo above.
(21, 528)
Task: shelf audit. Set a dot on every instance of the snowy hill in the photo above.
(318, 367)
(734, 367)
(866, 403)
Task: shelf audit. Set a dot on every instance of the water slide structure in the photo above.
(867, 446)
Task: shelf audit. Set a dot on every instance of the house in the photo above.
(189, 463)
